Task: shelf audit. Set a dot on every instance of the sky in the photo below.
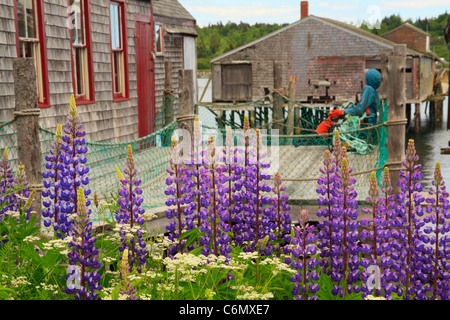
(288, 11)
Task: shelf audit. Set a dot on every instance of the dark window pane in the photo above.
(30, 8)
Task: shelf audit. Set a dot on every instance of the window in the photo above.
(118, 50)
(82, 70)
(159, 39)
(30, 39)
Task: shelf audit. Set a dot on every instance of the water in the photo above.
(428, 142)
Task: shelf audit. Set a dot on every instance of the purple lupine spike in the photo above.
(83, 254)
(179, 192)
(410, 210)
(276, 220)
(75, 170)
(215, 216)
(327, 198)
(345, 262)
(434, 269)
(254, 185)
(130, 215)
(379, 234)
(53, 174)
(303, 248)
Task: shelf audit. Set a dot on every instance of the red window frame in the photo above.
(42, 50)
(86, 21)
(124, 94)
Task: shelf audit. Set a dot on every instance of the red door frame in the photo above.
(145, 73)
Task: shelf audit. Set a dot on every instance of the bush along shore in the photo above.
(230, 235)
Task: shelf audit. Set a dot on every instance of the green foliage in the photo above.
(218, 39)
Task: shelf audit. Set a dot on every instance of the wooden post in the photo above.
(417, 120)
(291, 108)
(27, 113)
(277, 116)
(168, 93)
(383, 90)
(396, 112)
(186, 115)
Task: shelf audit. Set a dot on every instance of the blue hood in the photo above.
(373, 78)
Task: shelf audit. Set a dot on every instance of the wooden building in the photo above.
(328, 57)
(177, 45)
(104, 52)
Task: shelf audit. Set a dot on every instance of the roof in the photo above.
(171, 9)
(346, 27)
(408, 25)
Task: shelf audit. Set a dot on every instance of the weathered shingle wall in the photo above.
(312, 50)
(103, 120)
(7, 56)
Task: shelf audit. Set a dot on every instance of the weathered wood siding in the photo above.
(103, 120)
(312, 49)
(7, 55)
(409, 35)
(173, 52)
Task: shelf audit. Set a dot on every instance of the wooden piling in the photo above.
(396, 112)
(417, 120)
(277, 116)
(27, 113)
(186, 115)
(291, 109)
(168, 94)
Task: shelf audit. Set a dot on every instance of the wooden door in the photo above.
(145, 74)
(237, 82)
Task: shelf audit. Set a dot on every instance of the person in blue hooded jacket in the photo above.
(369, 99)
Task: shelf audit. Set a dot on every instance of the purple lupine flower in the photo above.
(83, 253)
(276, 220)
(434, 271)
(130, 215)
(74, 174)
(197, 162)
(53, 174)
(327, 198)
(179, 189)
(379, 234)
(409, 210)
(391, 275)
(215, 216)
(345, 261)
(8, 197)
(303, 248)
(252, 196)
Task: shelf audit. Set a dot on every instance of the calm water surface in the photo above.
(428, 144)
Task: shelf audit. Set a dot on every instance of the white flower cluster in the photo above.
(371, 297)
(148, 216)
(19, 281)
(251, 294)
(58, 244)
(48, 287)
(31, 239)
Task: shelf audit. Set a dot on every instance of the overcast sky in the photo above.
(288, 11)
